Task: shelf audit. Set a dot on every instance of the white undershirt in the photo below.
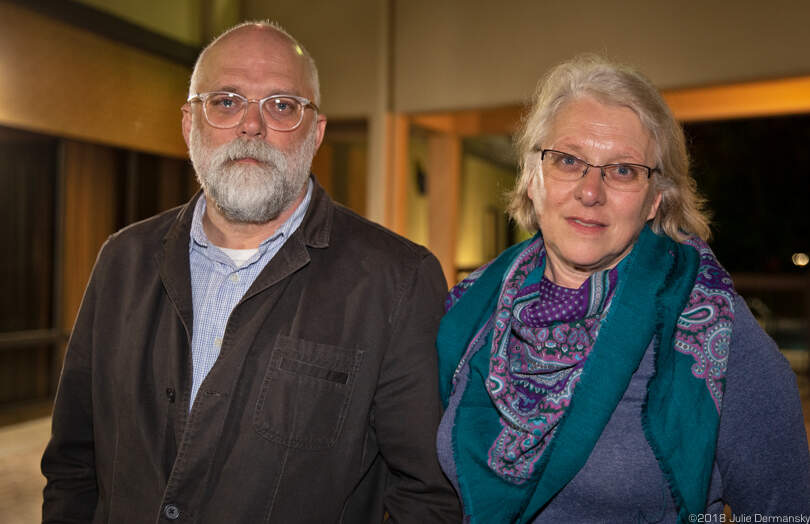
(239, 256)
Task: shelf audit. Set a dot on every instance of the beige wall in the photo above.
(473, 53)
(343, 38)
(191, 22)
(177, 19)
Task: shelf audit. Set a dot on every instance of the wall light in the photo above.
(800, 259)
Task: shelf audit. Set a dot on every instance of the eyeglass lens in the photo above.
(227, 110)
(624, 177)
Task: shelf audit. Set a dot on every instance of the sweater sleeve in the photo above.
(762, 449)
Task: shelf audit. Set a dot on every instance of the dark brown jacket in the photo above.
(322, 406)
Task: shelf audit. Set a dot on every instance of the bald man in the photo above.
(260, 354)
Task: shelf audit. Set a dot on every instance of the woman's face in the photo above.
(588, 226)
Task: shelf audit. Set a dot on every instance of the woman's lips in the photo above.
(585, 225)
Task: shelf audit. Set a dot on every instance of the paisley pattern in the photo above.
(542, 334)
(704, 327)
(541, 337)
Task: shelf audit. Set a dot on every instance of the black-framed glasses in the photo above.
(224, 110)
(622, 177)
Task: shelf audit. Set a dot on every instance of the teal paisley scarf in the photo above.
(538, 394)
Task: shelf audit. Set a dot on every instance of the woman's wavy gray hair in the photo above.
(682, 212)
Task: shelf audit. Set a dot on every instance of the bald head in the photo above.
(241, 42)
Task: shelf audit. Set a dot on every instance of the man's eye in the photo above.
(284, 106)
(223, 103)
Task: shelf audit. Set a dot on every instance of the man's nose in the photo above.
(253, 124)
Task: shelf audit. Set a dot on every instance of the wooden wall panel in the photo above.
(784, 96)
(397, 142)
(176, 183)
(752, 99)
(357, 172)
(322, 165)
(444, 181)
(60, 80)
(90, 210)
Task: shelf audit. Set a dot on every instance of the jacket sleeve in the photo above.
(68, 464)
(762, 449)
(407, 410)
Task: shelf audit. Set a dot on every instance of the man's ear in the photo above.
(321, 123)
(186, 122)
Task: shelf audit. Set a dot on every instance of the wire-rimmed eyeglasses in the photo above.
(622, 176)
(223, 109)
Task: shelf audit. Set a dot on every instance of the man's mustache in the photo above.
(239, 149)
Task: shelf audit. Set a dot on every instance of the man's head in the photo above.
(251, 170)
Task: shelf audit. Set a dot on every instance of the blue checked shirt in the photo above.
(217, 285)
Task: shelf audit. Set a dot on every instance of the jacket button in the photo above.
(171, 511)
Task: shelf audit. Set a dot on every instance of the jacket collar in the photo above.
(317, 225)
(315, 232)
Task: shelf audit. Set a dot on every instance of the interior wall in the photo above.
(342, 37)
(458, 54)
(450, 54)
(177, 19)
(481, 221)
(63, 81)
(417, 200)
(89, 217)
(478, 53)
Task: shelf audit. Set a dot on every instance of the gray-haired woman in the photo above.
(606, 370)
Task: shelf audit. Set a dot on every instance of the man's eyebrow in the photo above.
(230, 89)
(234, 89)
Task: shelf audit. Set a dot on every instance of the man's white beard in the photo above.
(251, 193)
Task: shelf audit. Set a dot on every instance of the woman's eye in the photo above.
(625, 171)
(567, 162)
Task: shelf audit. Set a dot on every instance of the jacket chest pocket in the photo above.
(306, 393)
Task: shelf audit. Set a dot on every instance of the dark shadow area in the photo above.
(756, 176)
